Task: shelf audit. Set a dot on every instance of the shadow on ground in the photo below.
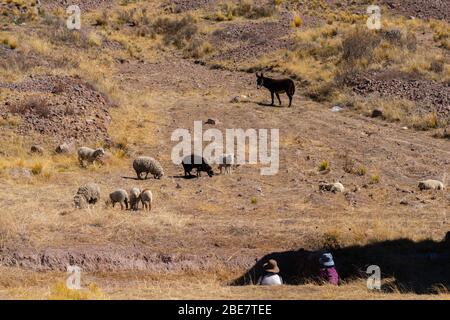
(418, 267)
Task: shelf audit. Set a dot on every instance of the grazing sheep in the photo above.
(119, 196)
(86, 194)
(147, 199)
(332, 187)
(148, 165)
(89, 155)
(431, 185)
(196, 162)
(64, 148)
(35, 148)
(135, 196)
(225, 163)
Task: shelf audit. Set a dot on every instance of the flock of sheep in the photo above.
(89, 194)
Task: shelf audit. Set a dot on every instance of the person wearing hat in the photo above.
(328, 272)
(270, 276)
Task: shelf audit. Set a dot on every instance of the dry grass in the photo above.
(224, 216)
(243, 8)
(400, 110)
(181, 286)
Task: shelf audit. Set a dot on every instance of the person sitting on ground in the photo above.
(270, 276)
(328, 272)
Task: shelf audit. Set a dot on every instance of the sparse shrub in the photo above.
(10, 120)
(297, 21)
(437, 66)
(10, 42)
(426, 122)
(321, 92)
(277, 2)
(324, 166)
(69, 110)
(17, 108)
(177, 32)
(331, 240)
(243, 8)
(394, 36)
(361, 171)
(411, 42)
(38, 106)
(375, 178)
(37, 168)
(198, 48)
(259, 12)
(348, 165)
(102, 20)
(254, 200)
(359, 45)
(94, 39)
(442, 134)
(127, 17)
(58, 88)
(122, 143)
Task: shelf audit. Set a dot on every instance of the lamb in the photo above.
(225, 163)
(86, 194)
(146, 199)
(148, 165)
(431, 185)
(89, 155)
(135, 197)
(119, 196)
(332, 187)
(198, 163)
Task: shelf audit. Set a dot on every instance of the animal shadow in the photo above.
(266, 104)
(184, 177)
(130, 178)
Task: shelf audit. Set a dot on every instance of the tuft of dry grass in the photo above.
(297, 21)
(324, 165)
(59, 291)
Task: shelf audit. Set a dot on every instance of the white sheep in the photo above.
(146, 199)
(119, 196)
(148, 165)
(135, 196)
(226, 162)
(332, 187)
(431, 185)
(86, 194)
(89, 155)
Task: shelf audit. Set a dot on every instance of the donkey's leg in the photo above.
(272, 96)
(290, 99)
(278, 97)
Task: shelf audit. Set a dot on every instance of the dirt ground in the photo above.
(204, 232)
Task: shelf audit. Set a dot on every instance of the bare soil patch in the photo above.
(114, 258)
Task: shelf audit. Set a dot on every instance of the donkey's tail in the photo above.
(292, 88)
